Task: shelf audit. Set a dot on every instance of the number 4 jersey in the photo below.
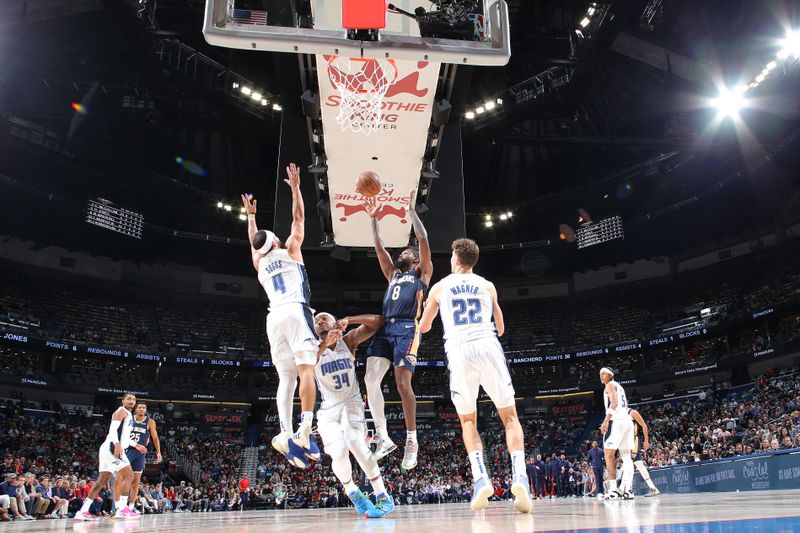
(465, 306)
(335, 373)
(284, 279)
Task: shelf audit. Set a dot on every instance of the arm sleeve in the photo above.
(113, 431)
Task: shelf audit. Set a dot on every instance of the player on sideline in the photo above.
(641, 441)
(398, 340)
(290, 328)
(340, 418)
(475, 359)
(143, 428)
(617, 429)
(113, 460)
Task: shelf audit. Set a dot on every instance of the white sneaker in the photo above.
(281, 442)
(383, 447)
(410, 455)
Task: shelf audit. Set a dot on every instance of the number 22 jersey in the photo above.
(465, 305)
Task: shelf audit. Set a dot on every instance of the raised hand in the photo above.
(412, 200)
(333, 337)
(343, 323)
(373, 207)
(249, 204)
(293, 173)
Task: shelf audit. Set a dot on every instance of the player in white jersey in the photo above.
(340, 418)
(617, 429)
(475, 359)
(114, 461)
(290, 330)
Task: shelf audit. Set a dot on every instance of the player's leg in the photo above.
(611, 464)
(134, 492)
(284, 399)
(303, 342)
(332, 433)
(405, 342)
(102, 479)
(642, 468)
(355, 432)
(627, 462)
(379, 360)
(122, 488)
(496, 381)
(464, 386)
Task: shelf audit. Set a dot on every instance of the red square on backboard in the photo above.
(364, 14)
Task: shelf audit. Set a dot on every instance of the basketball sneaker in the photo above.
(520, 488)
(613, 495)
(481, 492)
(652, 492)
(302, 449)
(628, 495)
(128, 513)
(384, 503)
(364, 505)
(83, 515)
(281, 442)
(383, 447)
(410, 455)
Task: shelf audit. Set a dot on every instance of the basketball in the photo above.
(368, 183)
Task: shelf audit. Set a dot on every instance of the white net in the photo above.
(362, 83)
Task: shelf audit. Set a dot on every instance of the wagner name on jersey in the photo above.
(465, 305)
(621, 412)
(284, 280)
(336, 375)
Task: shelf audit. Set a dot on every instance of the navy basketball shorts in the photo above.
(136, 459)
(398, 340)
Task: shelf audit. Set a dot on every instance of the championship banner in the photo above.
(394, 150)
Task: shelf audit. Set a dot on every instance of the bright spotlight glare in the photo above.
(246, 91)
(276, 107)
(489, 224)
(791, 44)
(509, 214)
(584, 22)
(226, 207)
(503, 216)
(728, 103)
(771, 65)
(480, 110)
(469, 115)
(490, 105)
(219, 205)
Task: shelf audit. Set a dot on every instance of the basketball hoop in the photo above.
(362, 83)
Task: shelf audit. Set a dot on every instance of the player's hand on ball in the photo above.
(249, 204)
(373, 207)
(293, 173)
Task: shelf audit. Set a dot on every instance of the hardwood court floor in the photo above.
(711, 512)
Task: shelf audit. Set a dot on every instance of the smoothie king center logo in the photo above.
(349, 205)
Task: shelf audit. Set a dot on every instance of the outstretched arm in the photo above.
(431, 309)
(497, 313)
(385, 260)
(367, 326)
(645, 430)
(425, 261)
(250, 206)
(295, 240)
(154, 435)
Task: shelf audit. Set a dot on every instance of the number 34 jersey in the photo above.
(465, 305)
(335, 373)
(284, 279)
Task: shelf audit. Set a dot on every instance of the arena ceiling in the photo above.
(624, 135)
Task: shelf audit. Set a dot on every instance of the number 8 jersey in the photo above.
(465, 305)
(284, 279)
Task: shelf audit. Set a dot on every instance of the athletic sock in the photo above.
(350, 487)
(476, 462)
(381, 432)
(377, 486)
(518, 463)
(612, 485)
(306, 419)
(87, 502)
(411, 435)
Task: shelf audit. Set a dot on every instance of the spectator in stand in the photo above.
(244, 490)
(9, 496)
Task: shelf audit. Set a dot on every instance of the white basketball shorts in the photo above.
(475, 364)
(620, 436)
(109, 463)
(290, 330)
(333, 421)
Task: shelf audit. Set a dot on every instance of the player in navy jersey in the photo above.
(142, 430)
(290, 329)
(398, 340)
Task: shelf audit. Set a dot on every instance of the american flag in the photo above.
(250, 16)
